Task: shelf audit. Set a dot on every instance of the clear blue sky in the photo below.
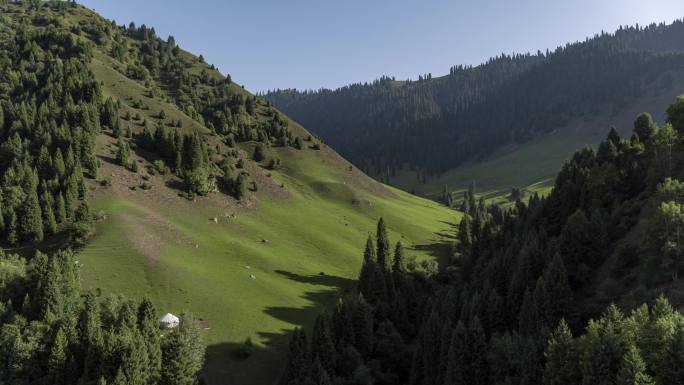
(267, 44)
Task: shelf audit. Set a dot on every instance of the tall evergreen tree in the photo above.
(382, 242)
(633, 369)
(322, 345)
(562, 360)
(398, 262)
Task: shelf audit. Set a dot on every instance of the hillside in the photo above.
(582, 286)
(421, 135)
(206, 199)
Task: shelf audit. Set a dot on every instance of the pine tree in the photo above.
(672, 366)
(147, 324)
(478, 370)
(31, 223)
(319, 375)
(123, 153)
(457, 358)
(675, 114)
(382, 241)
(91, 338)
(58, 359)
(562, 366)
(49, 221)
(633, 369)
(182, 354)
(367, 274)
(298, 359)
(60, 209)
(398, 262)
(322, 345)
(240, 189)
(557, 290)
(363, 327)
(529, 316)
(259, 153)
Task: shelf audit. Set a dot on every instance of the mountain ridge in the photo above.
(433, 125)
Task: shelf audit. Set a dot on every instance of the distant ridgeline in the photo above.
(434, 124)
(523, 280)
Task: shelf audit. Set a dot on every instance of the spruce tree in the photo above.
(182, 354)
(322, 345)
(529, 316)
(31, 223)
(672, 365)
(633, 369)
(58, 359)
(675, 114)
(562, 366)
(457, 357)
(259, 153)
(240, 188)
(298, 359)
(398, 262)
(363, 327)
(558, 291)
(478, 370)
(382, 242)
(149, 331)
(123, 153)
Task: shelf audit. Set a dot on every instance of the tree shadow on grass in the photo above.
(440, 247)
(266, 363)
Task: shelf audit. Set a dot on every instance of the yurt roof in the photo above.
(168, 317)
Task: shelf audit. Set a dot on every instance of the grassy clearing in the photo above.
(156, 244)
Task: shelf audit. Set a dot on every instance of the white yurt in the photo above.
(168, 321)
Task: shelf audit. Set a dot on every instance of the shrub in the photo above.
(160, 166)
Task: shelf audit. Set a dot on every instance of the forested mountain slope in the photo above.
(580, 287)
(173, 183)
(435, 124)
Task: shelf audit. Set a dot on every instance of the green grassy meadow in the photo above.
(304, 247)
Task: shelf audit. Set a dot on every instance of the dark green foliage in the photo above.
(259, 154)
(398, 261)
(298, 363)
(633, 369)
(561, 358)
(123, 153)
(240, 187)
(182, 354)
(51, 110)
(672, 366)
(645, 127)
(322, 344)
(469, 113)
(675, 114)
(496, 314)
(382, 241)
(59, 337)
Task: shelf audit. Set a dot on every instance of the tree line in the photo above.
(53, 334)
(51, 110)
(528, 295)
(436, 123)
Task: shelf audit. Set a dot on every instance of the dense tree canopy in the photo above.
(436, 123)
(522, 284)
